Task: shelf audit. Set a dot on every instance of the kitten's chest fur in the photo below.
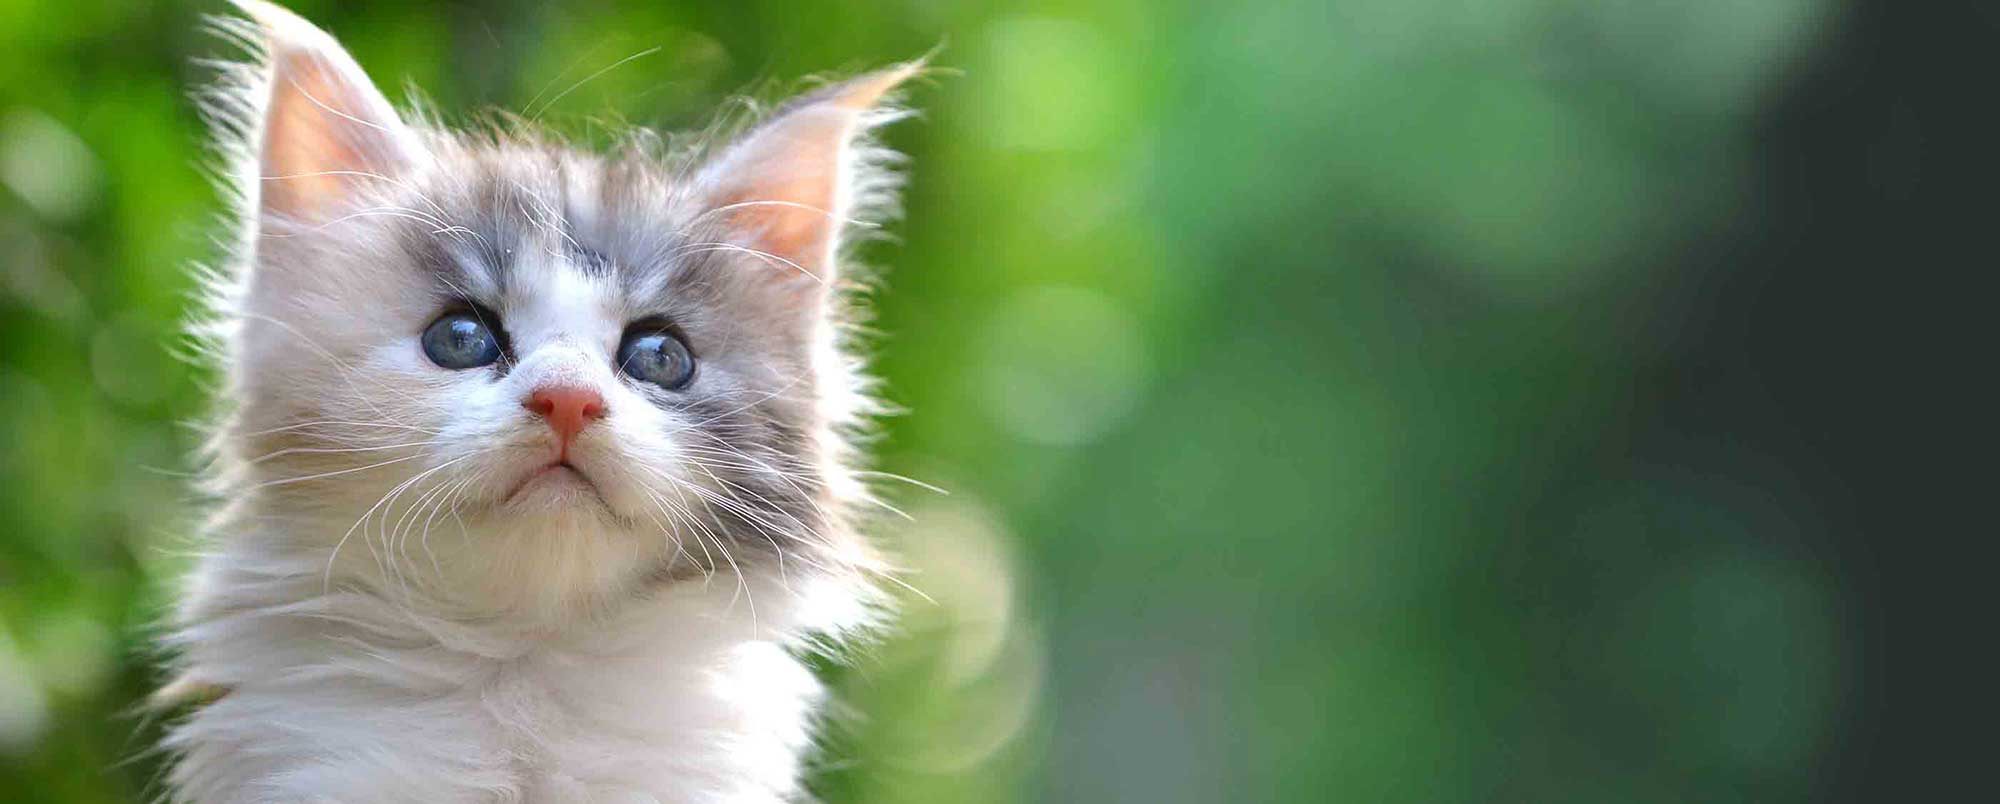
(681, 697)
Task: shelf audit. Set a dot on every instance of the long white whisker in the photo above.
(704, 248)
(893, 476)
(316, 102)
(336, 450)
(412, 189)
(753, 403)
(286, 481)
(591, 77)
(792, 204)
(348, 372)
(336, 423)
(327, 581)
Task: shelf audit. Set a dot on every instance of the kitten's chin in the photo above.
(552, 551)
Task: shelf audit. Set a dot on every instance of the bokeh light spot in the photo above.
(1048, 89)
(46, 165)
(1061, 365)
(23, 710)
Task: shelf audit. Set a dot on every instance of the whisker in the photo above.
(348, 372)
(753, 403)
(316, 102)
(411, 188)
(791, 204)
(591, 77)
(327, 581)
(323, 475)
(335, 450)
(335, 422)
(704, 248)
(912, 481)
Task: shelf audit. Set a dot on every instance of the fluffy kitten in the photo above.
(532, 478)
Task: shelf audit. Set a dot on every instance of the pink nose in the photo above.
(568, 410)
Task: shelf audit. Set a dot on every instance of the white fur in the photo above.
(346, 697)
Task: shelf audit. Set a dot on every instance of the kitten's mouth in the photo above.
(556, 477)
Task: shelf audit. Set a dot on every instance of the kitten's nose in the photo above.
(567, 409)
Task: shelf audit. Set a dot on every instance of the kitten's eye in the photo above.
(461, 341)
(656, 356)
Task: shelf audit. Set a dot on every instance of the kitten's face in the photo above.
(596, 360)
(486, 360)
(515, 374)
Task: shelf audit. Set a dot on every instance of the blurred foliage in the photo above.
(1281, 359)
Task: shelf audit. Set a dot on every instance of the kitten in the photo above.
(532, 472)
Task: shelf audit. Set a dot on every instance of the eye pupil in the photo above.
(461, 341)
(658, 357)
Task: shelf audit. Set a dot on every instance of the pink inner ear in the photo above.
(324, 136)
(788, 182)
(788, 197)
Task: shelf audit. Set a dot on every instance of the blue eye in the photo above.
(658, 357)
(461, 341)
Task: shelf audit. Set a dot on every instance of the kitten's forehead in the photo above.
(521, 221)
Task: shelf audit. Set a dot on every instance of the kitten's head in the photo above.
(493, 370)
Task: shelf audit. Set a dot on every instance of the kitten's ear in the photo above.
(326, 131)
(789, 186)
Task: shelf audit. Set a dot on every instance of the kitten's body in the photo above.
(420, 586)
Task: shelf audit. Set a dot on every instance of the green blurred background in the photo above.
(1354, 400)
